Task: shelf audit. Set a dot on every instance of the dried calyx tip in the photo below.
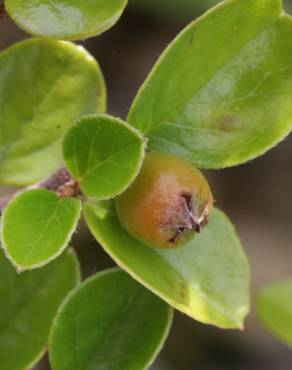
(196, 222)
(192, 221)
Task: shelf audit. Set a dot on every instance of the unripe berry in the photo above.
(167, 204)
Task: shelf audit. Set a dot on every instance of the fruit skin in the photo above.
(167, 204)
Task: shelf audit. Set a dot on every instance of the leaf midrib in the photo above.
(108, 159)
(41, 235)
(19, 133)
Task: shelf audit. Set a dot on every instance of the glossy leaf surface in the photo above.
(221, 93)
(29, 302)
(274, 308)
(37, 226)
(208, 278)
(65, 19)
(44, 86)
(109, 322)
(104, 154)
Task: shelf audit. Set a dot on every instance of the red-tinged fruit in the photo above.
(169, 202)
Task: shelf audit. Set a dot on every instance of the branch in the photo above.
(3, 13)
(60, 182)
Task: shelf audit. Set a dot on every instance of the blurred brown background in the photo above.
(257, 196)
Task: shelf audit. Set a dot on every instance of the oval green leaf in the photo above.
(104, 154)
(208, 279)
(65, 19)
(109, 322)
(29, 302)
(221, 93)
(274, 309)
(44, 86)
(36, 227)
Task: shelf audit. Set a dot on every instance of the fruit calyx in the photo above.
(191, 220)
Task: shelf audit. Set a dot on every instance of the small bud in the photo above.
(167, 204)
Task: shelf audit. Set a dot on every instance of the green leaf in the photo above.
(109, 322)
(29, 302)
(37, 226)
(221, 93)
(208, 279)
(44, 86)
(274, 309)
(104, 154)
(65, 19)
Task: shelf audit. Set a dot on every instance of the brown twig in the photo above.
(60, 182)
(3, 13)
